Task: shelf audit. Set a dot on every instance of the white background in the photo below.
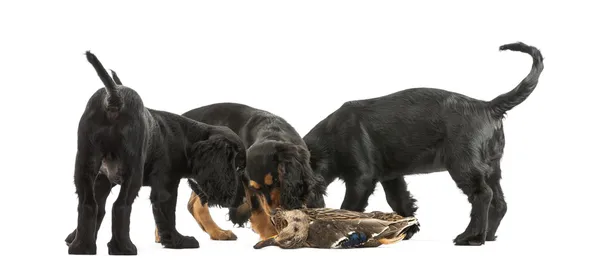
(302, 60)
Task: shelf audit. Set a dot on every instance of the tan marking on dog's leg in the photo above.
(261, 224)
(202, 216)
(268, 179)
(156, 236)
(260, 221)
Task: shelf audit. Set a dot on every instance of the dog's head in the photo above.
(217, 165)
(280, 175)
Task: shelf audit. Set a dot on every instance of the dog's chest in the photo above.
(112, 169)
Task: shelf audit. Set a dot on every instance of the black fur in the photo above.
(417, 131)
(120, 141)
(273, 146)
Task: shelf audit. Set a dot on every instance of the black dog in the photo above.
(419, 131)
(277, 166)
(122, 142)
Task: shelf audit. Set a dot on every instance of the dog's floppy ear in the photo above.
(115, 77)
(215, 167)
(316, 191)
(241, 214)
(297, 180)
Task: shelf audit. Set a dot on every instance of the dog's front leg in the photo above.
(201, 214)
(400, 200)
(132, 175)
(261, 224)
(164, 201)
(357, 195)
(86, 168)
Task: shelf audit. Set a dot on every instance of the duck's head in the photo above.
(293, 236)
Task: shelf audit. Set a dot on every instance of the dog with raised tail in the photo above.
(121, 142)
(419, 131)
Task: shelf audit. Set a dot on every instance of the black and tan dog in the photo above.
(417, 131)
(120, 141)
(278, 169)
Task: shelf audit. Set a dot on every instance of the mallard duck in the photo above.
(336, 228)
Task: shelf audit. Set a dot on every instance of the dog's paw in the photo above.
(78, 247)
(70, 238)
(179, 241)
(122, 247)
(222, 235)
(189, 242)
(467, 239)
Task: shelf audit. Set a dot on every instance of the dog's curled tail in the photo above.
(503, 103)
(114, 103)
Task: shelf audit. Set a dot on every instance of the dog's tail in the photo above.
(114, 103)
(503, 103)
(115, 77)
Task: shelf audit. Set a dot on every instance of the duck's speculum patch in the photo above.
(353, 240)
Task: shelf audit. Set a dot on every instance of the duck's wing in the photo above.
(346, 233)
(335, 214)
(393, 217)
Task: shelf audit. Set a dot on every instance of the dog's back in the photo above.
(393, 131)
(248, 122)
(232, 115)
(409, 131)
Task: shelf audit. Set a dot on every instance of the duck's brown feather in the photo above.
(341, 214)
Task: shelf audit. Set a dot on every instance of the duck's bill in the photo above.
(265, 243)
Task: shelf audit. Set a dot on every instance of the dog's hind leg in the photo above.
(470, 178)
(164, 200)
(498, 206)
(201, 214)
(87, 164)
(400, 200)
(102, 188)
(132, 169)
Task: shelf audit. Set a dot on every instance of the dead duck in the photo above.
(336, 228)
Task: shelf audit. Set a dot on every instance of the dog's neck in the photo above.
(322, 160)
(197, 131)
